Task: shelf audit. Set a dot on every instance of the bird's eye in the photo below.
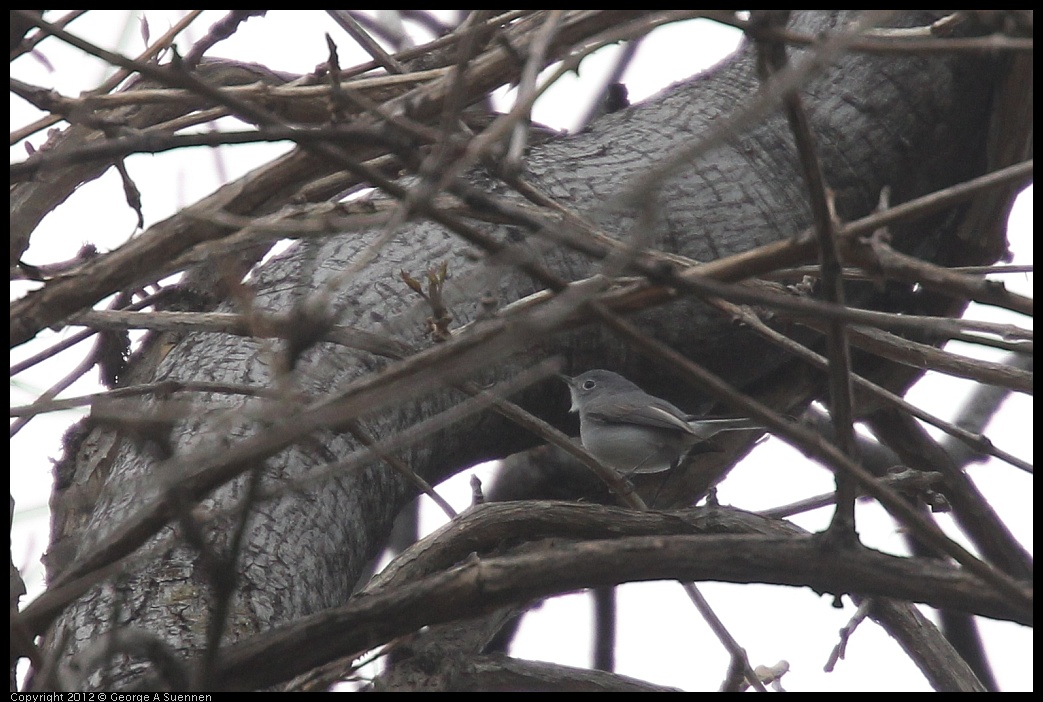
(589, 384)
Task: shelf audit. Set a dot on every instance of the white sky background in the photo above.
(661, 638)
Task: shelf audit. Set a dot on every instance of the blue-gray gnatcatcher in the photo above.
(627, 429)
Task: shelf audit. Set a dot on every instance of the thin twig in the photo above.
(812, 445)
(350, 25)
(116, 78)
(772, 60)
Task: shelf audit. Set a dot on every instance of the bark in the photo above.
(913, 123)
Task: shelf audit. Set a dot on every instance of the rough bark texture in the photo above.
(913, 123)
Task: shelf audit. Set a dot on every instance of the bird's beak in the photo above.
(572, 392)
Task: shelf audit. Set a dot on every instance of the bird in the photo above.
(633, 432)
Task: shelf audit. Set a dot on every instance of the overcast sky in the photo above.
(662, 639)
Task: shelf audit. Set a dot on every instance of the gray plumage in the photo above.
(634, 432)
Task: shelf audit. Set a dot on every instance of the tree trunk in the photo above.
(910, 122)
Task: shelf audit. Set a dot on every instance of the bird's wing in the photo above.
(627, 410)
(707, 428)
